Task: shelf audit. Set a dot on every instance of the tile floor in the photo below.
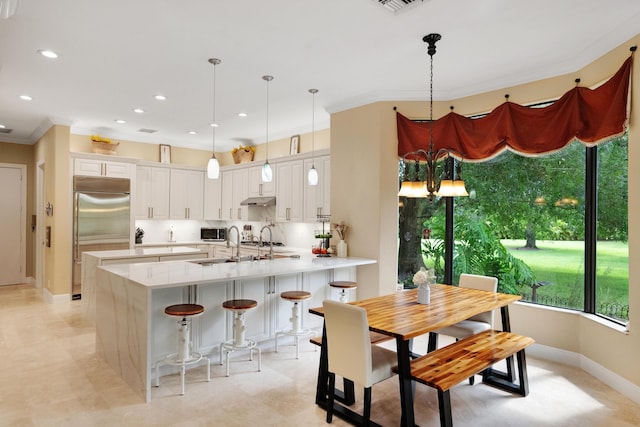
(50, 376)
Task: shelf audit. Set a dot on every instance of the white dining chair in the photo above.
(473, 325)
(350, 353)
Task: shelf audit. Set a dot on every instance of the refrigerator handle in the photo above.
(76, 231)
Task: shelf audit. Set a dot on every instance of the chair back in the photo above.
(348, 342)
(483, 283)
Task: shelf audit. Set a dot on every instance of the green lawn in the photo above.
(562, 264)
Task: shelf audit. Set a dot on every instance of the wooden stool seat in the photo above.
(343, 284)
(239, 304)
(182, 310)
(295, 295)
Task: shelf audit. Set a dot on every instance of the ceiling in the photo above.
(115, 55)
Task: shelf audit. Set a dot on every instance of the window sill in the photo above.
(592, 317)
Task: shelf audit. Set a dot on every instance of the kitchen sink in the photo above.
(212, 261)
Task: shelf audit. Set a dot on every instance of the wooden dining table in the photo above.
(400, 316)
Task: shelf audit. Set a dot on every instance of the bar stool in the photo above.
(239, 342)
(343, 285)
(296, 330)
(185, 356)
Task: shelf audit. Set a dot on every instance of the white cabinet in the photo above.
(272, 312)
(152, 192)
(213, 199)
(317, 198)
(235, 188)
(186, 194)
(257, 188)
(289, 191)
(107, 168)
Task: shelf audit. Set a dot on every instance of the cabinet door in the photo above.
(257, 188)
(240, 193)
(317, 283)
(289, 191)
(94, 167)
(186, 194)
(213, 199)
(227, 195)
(152, 193)
(317, 197)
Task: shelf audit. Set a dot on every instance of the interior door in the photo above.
(12, 225)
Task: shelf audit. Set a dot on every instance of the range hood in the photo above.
(259, 201)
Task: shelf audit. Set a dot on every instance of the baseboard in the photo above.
(55, 299)
(611, 379)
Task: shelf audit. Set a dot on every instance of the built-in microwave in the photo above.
(213, 234)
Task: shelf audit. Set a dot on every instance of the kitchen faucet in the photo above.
(270, 256)
(237, 241)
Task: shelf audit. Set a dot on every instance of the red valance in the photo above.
(588, 115)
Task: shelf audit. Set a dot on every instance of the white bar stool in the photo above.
(296, 330)
(185, 356)
(343, 285)
(239, 342)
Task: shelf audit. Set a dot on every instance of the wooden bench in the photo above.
(444, 368)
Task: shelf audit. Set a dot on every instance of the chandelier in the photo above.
(425, 181)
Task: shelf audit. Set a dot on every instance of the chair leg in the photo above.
(472, 380)
(366, 412)
(331, 396)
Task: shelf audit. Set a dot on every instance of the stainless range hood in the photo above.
(259, 201)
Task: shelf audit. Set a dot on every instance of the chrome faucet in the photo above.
(237, 241)
(270, 256)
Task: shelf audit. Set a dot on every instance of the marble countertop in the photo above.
(143, 252)
(182, 273)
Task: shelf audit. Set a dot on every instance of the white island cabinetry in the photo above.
(132, 332)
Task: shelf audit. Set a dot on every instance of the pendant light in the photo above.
(267, 172)
(213, 167)
(312, 177)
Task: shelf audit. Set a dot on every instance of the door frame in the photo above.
(39, 243)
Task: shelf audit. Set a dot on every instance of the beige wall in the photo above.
(364, 193)
(23, 155)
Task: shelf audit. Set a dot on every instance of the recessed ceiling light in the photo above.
(120, 121)
(214, 125)
(160, 97)
(48, 53)
(2, 126)
(138, 110)
(26, 98)
(242, 114)
(192, 132)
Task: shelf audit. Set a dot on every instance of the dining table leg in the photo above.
(404, 377)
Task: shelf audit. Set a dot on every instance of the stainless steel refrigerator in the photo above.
(101, 219)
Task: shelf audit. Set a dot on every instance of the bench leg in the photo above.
(501, 380)
(444, 405)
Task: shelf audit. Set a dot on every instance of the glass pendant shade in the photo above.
(213, 168)
(312, 177)
(267, 172)
(459, 189)
(446, 188)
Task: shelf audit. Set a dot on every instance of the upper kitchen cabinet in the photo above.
(235, 188)
(289, 191)
(257, 188)
(317, 198)
(213, 198)
(152, 192)
(186, 194)
(99, 167)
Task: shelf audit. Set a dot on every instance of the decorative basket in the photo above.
(100, 147)
(243, 156)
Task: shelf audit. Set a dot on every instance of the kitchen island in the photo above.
(93, 259)
(132, 332)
